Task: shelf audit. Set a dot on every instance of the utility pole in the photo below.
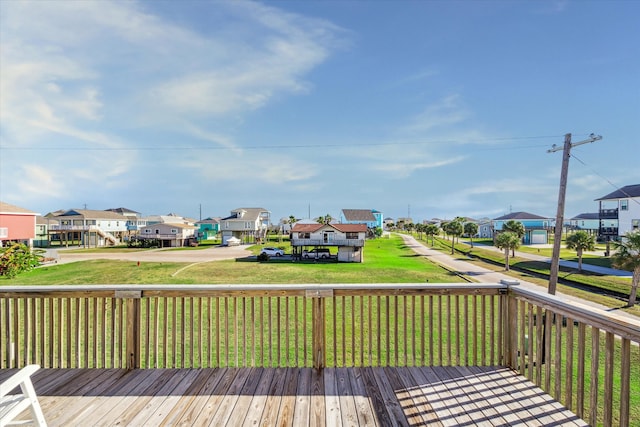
(566, 154)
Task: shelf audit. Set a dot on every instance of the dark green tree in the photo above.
(515, 227)
(470, 229)
(627, 257)
(509, 242)
(455, 230)
(581, 241)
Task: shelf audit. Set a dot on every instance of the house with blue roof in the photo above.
(536, 227)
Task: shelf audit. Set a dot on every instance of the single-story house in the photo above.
(536, 227)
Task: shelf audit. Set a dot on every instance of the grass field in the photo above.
(386, 261)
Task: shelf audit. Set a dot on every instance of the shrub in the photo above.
(18, 258)
(263, 257)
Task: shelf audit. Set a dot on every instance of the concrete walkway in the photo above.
(215, 253)
(483, 275)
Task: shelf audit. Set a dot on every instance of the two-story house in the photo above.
(208, 228)
(589, 222)
(246, 224)
(370, 217)
(16, 224)
(88, 227)
(134, 219)
(536, 227)
(348, 238)
(619, 212)
(43, 224)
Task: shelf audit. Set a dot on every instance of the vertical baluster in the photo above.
(568, 392)
(595, 357)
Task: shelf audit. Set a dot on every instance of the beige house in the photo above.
(169, 235)
(246, 224)
(348, 238)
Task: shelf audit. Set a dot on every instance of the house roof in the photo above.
(6, 208)
(94, 214)
(344, 228)
(519, 215)
(172, 225)
(587, 216)
(623, 193)
(209, 221)
(46, 221)
(358, 215)
(250, 214)
(123, 211)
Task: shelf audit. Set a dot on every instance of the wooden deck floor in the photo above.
(438, 396)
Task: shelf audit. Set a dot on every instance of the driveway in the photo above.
(215, 253)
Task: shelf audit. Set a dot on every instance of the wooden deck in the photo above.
(412, 396)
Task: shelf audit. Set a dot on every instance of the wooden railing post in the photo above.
(132, 299)
(511, 331)
(318, 325)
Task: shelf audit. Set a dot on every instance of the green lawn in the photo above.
(386, 261)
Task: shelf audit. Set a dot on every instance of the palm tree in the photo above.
(508, 241)
(515, 227)
(432, 230)
(409, 227)
(581, 241)
(455, 229)
(627, 257)
(471, 229)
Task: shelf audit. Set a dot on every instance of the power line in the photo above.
(301, 146)
(608, 181)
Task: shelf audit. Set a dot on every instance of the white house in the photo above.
(589, 222)
(245, 224)
(348, 238)
(90, 227)
(619, 212)
(168, 234)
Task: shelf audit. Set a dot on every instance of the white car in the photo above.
(317, 253)
(272, 251)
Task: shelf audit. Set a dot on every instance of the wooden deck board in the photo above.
(411, 396)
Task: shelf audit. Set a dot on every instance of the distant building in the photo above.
(16, 224)
(208, 228)
(245, 224)
(619, 212)
(536, 227)
(370, 217)
(589, 222)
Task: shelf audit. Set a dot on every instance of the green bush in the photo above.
(18, 258)
(263, 257)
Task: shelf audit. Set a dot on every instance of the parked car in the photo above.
(317, 253)
(272, 251)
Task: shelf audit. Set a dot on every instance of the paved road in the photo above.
(480, 274)
(215, 253)
(569, 264)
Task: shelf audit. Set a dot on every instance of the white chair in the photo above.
(11, 405)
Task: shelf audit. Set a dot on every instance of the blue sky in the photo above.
(428, 108)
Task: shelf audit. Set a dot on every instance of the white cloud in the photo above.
(404, 169)
(37, 181)
(446, 112)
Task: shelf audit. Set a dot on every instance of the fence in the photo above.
(586, 359)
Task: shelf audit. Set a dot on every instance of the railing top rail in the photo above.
(608, 321)
(351, 288)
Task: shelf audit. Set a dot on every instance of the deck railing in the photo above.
(587, 359)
